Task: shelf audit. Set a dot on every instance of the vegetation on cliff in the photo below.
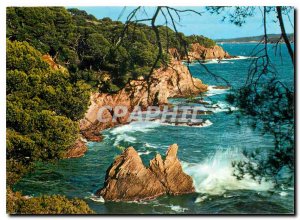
(44, 205)
(43, 107)
(55, 58)
(93, 49)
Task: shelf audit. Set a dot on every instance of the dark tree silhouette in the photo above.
(268, 101)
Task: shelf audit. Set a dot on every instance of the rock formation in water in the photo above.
(77, 150)
(199, 52)
(127, 179)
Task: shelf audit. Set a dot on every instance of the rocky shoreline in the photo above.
(128, 179)
(174, 80)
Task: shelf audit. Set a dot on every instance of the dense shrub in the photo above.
(86, 44)
(42, 109)
(45, 205)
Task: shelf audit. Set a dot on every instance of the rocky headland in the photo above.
(127, 179)
(173, 80)
(199, 52)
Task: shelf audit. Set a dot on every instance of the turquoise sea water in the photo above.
(206, 154)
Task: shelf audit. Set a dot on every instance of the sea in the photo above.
(206, 152)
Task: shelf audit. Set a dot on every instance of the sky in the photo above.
(208, 25)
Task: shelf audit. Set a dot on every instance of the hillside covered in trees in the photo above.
(101, 52)
(55, 59)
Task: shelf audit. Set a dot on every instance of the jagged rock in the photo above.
(173, 81)
(199, 52)
(77, 150)
(127, 179)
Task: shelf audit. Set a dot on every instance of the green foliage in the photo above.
(42, 109)
(44, 205)
(84, 44)
(48, 29)
(206, 42)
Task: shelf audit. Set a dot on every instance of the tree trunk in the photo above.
(283, 33)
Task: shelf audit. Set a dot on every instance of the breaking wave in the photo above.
(213, 91)
(123, 132)
(205, 123)
(216, 61)
(223, 107)
(141, 126)
(241, 58)
(215, 176)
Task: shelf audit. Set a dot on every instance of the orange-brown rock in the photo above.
(127, 179)
(172, 81)
(48, 59)
(77, 150)
(199, 52)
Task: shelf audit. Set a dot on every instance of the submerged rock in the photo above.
(127, 179)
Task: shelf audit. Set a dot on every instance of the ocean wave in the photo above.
(96, 198)
(215, 176)
(217, 61)
(148, 145)
(240, 58)
(123, 137)
(144, 153)
(206, 123)
(213, 91)
(201, 199)
(221, 106)
(123, 133)
(177, 208)
(141, 126)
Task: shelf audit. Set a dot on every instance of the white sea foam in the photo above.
(141, 126)
(144, 153)
(215, 176)
(150, 145)
(227, 60)
(201, 199)
(223, 107)
(283, 193)
(97, 198)
(123, 133)
(241, 58)
(216, 61)
(206, 123)
(178, 208)
(124, 137)
(212, 91)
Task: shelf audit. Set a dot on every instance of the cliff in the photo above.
(127, 179)
(172, 81)
(77, 150)
(198, 52)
